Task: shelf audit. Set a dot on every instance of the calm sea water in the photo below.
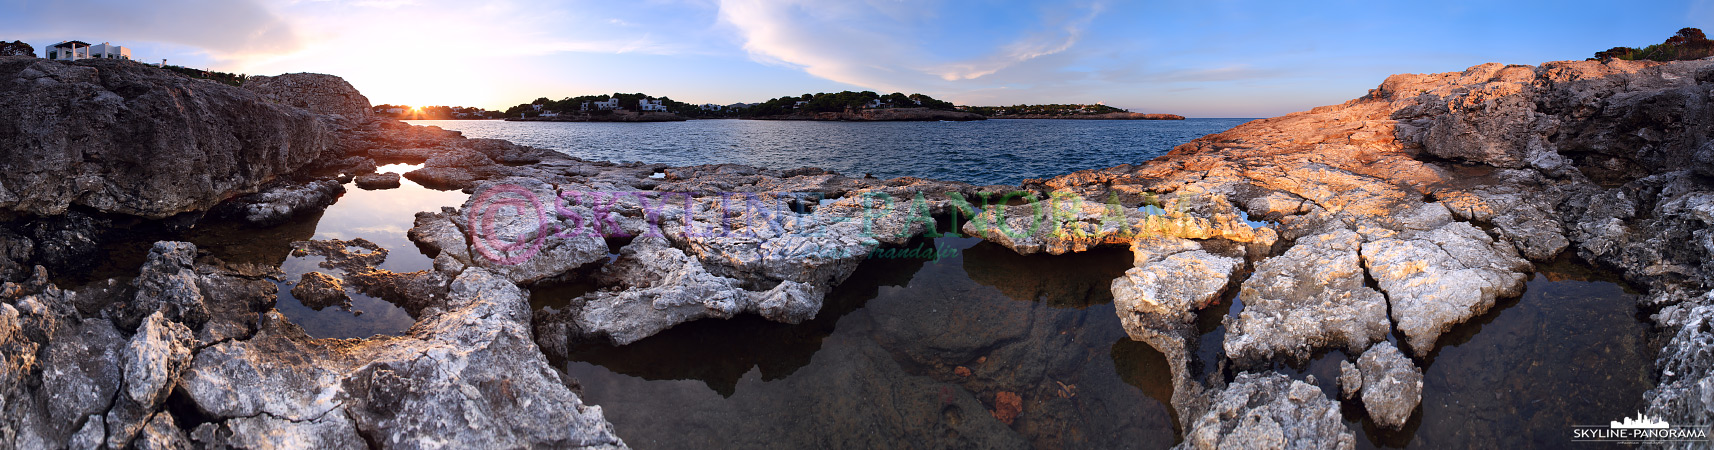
(912, 353)
(983, 152)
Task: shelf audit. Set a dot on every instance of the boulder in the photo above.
(1269, 411)
(1392, 385)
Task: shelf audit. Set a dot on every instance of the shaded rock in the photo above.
(139, 140)
(279, 202)
(467, 375)
(1269, 411)
(168, 284)
(162, 433)
(317, 93)
(1392, 385)
(319, 290)
(1443, 277)
(66, 243)
(656, 286)
(1312, 297)
(351, 256)
(374, 181)
(1350, 380)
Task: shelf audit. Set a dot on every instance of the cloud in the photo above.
(227, 27)
(892, 45)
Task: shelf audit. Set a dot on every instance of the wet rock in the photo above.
(168, 284)
(1392, 385)
(280, 202)
(69, 242)
(1173, 278)
(376, 181)
(1350, 380)
(351, 256)
(139, 140)
(1312, 297)
(319, 290)
(467, 375)
(1065, 222)
(1007, 406)
(1443, 277)
(413, 291)
(1271, 411)
(656, 286)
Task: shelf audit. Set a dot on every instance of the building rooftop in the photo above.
(69, 44)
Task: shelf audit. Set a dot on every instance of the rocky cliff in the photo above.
(1416, 207)
(126, 138)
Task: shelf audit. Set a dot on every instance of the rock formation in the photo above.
(121, 137)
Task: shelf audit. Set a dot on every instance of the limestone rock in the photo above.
(139, 140)
(1312, 297)
(314, 92)
(1392, 385)
(377, 181)
(280, 202)
(1269, 411)
(1443, 277)
(319, 290)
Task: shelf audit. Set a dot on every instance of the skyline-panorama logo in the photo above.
(1639, 429)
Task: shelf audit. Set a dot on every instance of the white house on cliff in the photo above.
(76, 50)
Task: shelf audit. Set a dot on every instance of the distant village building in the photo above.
(650, 105)
(76, 50)
(800, 104)
(876, 103)
(609, 104)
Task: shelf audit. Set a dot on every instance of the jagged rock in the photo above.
(15, 251)
(468, 375)
(1392, 385)
(162, 433)
(1065, 222)
(139, 140)
(351, 256)
(1350, 380)
(168, 284)
(279, 202)
(152, 362)
(515, 231)
(1269, 411)
(375, 181)
(655, 287)
(1442, 277)
(319, 290)
(1172, 277)
(80, 377)
(314, 92)
(1312, 297)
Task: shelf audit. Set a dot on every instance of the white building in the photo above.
(650, 105)
(609, 104)
(876, 103)
(76, 50)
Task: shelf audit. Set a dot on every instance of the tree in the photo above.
(19, 48)
(1691, 34)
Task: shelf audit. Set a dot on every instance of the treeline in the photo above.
(627, 102)
(1046, 110)
(838, 102)
(1688, 43)
(407, 112)
(222, 77)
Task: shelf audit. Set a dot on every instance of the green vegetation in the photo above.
(839, 102)
(222, 77)
(406, 112)
(627, 102)
(1688, 43)
(1044, 110)
(17, 48)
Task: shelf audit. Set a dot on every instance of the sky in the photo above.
(1198, 58)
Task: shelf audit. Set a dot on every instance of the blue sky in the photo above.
(1197, 58)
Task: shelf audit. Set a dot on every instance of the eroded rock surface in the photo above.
(1269, 411)
(1391, 385)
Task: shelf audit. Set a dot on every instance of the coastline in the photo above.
(1108, 116)
(1421, 206)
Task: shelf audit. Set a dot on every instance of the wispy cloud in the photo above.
(888, 45)
(232, 27)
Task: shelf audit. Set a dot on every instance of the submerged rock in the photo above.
(318, 290)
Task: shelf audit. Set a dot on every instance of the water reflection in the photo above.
(922, 360)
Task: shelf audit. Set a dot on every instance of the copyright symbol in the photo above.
(513, 200)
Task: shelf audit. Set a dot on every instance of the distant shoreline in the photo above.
(878, 115)
(1107, 116)
(614, 117)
